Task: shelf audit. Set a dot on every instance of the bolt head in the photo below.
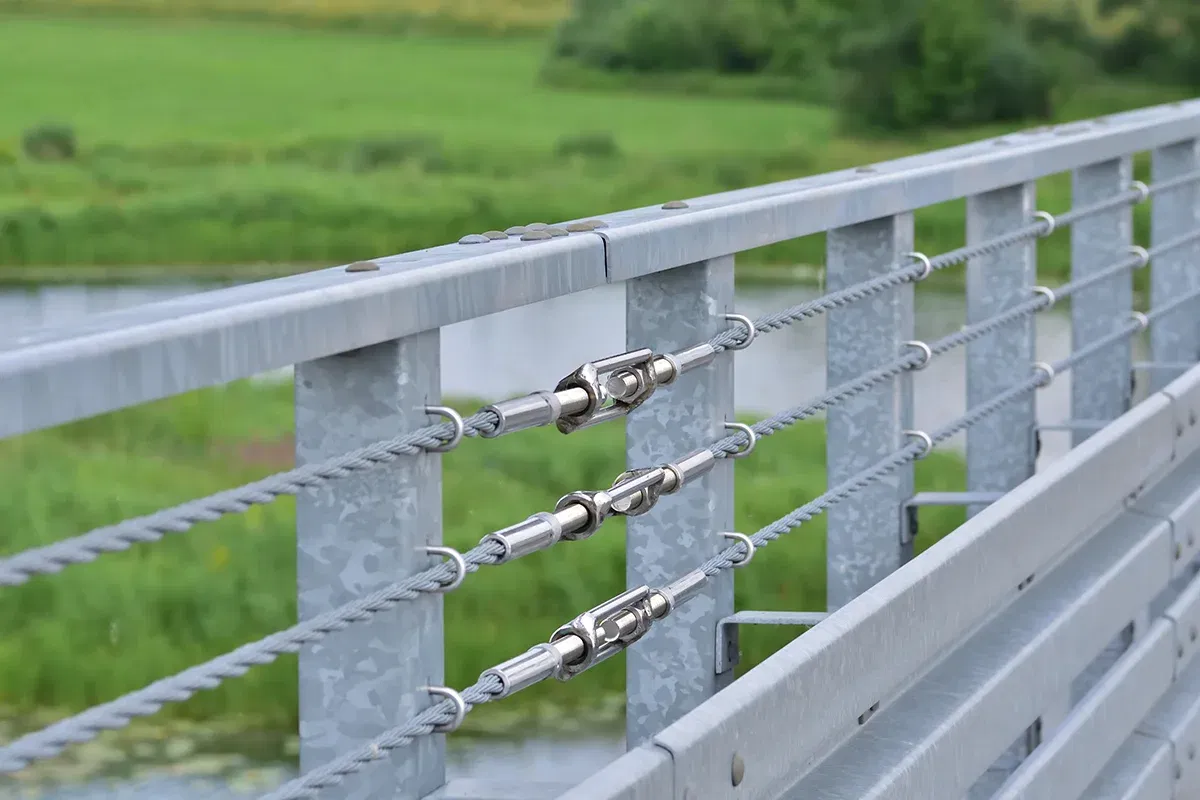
(515, 230)
(674, 204)
(535, 236)
(556, 232)
(737, 770)
(495, 234)
(580, 227)
(363, 266)
(536, 226)
(474, 238)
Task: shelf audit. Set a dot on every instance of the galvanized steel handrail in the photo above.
(678, 233)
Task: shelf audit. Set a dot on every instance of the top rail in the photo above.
(123, 358)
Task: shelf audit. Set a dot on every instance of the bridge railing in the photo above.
(371, 432)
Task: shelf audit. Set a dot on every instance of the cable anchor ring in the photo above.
(460, 427)
(1048, 293)
(1142, 254)
(1049, 219)
(1142, 189)
(748, 324)
(925, 439)
(747, 543)
(750, 435)
(460, 707)
(1047, 370)
(926, 354)
(1142, 320)
(926, 265)
(460, 566)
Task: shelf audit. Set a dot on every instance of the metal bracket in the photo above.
(1181, 366)
(908, 532)
(1076, 425)
(729, 652)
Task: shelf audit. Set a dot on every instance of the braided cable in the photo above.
(87, 547)
(114, 538)
(307, 785)
(118, 713)
(423, 724)
(182, 686)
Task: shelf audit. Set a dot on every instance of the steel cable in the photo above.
(84, 548)
(307, 785)
(118, 713)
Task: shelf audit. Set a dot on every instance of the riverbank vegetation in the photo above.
(107, 627)
(256, 143)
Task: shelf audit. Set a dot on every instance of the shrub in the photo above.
(50, 142)
(600, 144)
(940, 62)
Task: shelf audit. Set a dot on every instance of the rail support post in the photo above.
(1000, 449)
(1174, 337)
(673, 669)
(864, 536)
(360, 534)
(1101, 386)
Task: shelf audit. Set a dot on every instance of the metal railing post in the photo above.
(1101, 386)
(864, 536)
(1174, 338)
(672, 670)
(355, 536)
(1000, 449)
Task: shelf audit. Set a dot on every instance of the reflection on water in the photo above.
(532, 347)
(232, 775)
(501, 355)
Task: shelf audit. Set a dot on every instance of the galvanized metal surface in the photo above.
(1143, 769)
(1056, 617)
(128, 357)
(644, 773)
(1100, 387)
(1176, 720)
(864, 537)
(671, 671)
(1000, 450)
(939, 737)
(1100, 724)
(1175, 337)
(476, 789)
(359, 535)
(943, 595)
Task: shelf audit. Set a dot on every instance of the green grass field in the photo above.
(114, 625)
(208, 143)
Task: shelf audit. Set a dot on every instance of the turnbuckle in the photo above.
(596, 635)
(598, 391)
(610, 627)
(626, 380)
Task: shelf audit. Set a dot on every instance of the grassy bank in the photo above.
(114, 625)
(244, 143)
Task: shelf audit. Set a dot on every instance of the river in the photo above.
(499, 356)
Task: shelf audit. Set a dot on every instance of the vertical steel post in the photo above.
(864, 536)
(355, 536)
(1175, 337)
(1101, 386)
(1000, 449)
(672, 670)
